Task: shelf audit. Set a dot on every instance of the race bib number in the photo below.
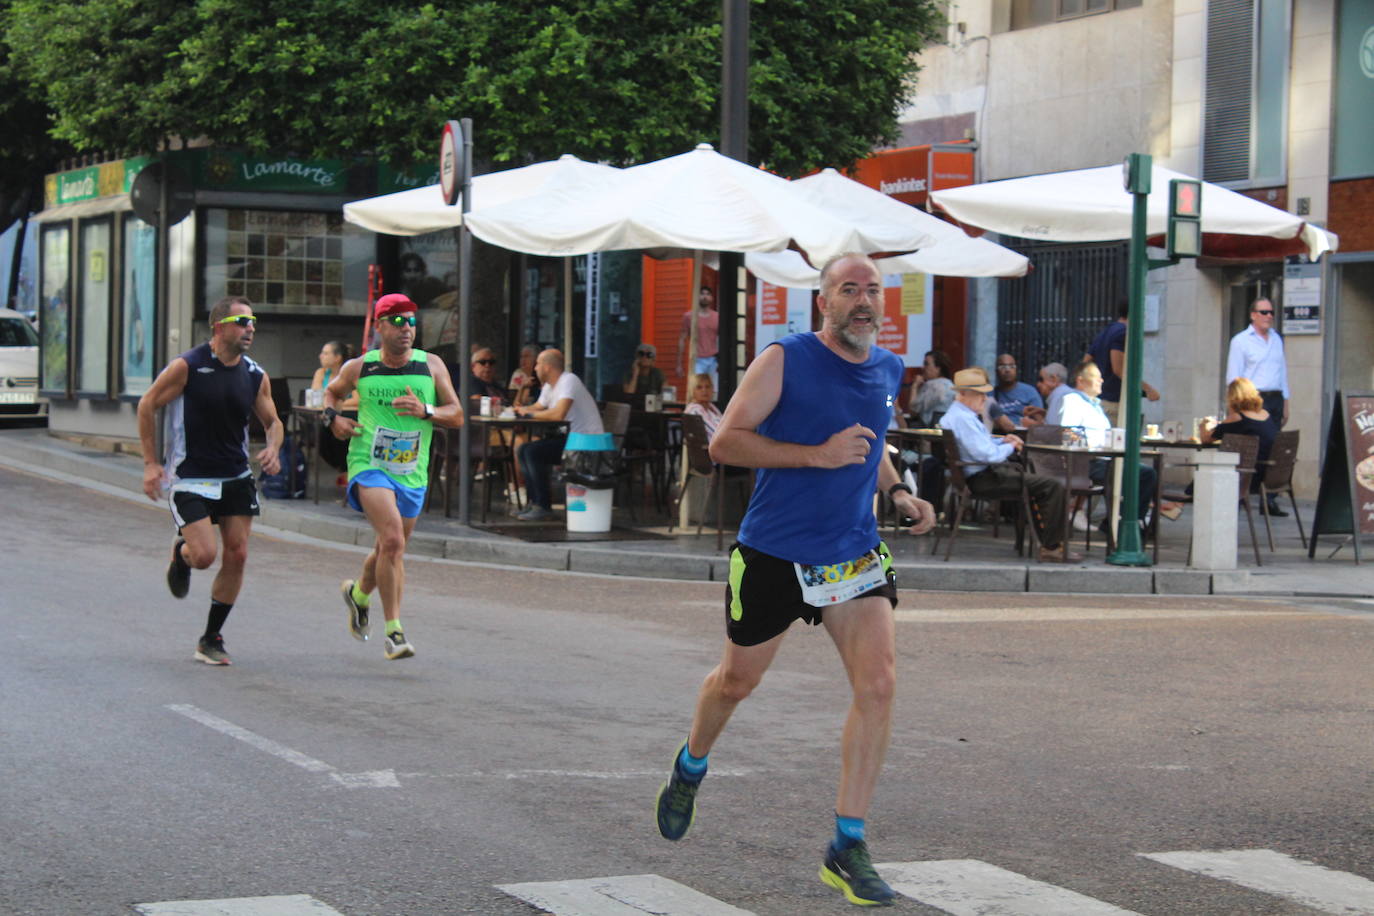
(396, 452)
(836, 582)
(207, 489)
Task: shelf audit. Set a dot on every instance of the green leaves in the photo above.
(618, 80)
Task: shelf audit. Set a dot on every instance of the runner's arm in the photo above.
(266, 409)
(339, 393)
(921, 512)
(168, 386)
(738, 442)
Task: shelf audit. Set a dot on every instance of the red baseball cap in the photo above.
(394, 304)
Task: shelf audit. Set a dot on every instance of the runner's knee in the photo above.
(235, 555)
(390, 544)
(199, 556)
(734, 685)
(875, 686)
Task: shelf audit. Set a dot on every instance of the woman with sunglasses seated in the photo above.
(644, 377)
(332, 357)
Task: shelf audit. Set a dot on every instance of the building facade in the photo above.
(1268, 97)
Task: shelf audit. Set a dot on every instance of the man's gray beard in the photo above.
(857, 342)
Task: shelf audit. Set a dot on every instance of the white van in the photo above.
(19, 368)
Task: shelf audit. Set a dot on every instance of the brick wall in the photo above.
(1351, 206)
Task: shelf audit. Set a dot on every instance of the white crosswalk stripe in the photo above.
(288, 905)
(1274, 873)
(624, 895)
(968, 887)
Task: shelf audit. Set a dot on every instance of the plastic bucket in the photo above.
(589, 509)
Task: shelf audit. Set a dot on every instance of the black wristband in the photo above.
(329, 414)
(898, 486)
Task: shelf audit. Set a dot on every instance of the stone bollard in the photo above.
(1216, 499)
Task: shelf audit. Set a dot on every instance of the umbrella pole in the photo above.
(465, 334)
(568, 309)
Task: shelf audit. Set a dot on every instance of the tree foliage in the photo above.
(616, 80)
(27, 150)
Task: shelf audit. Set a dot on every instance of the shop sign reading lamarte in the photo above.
(911, 173)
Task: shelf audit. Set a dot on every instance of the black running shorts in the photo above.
(237, 497)
(763, 595)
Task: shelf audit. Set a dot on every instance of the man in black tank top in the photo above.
(212, 389)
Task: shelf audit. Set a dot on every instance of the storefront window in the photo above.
(139, 317)
(287, 262)
(93, 326)
(55, 311)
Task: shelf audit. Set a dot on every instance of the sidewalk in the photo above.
(979, 563)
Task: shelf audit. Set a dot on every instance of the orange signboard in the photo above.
(892, 332)
(773, 304)
(911, 173)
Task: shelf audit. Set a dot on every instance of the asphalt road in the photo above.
(1059, 739)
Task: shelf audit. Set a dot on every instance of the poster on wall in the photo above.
(906, 327)
(55, 311)
(429, 276)
(781, 311)
(93, 323)
(140, 306)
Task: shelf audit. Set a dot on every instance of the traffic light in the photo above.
(1185, 218)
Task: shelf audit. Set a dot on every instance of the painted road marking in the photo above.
(1303, 882)
(289, 905)
(968, 887)
(376, 779)
(624, 895)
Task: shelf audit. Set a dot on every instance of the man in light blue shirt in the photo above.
(1082, 410)
(986, 474)
(1257, 354)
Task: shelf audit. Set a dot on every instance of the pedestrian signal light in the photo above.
(1184, 238)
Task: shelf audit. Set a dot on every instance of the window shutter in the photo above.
(1230, 79)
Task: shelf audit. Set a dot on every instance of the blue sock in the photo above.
(693, 769)
(849, 831)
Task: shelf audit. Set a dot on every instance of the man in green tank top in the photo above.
(402, 393)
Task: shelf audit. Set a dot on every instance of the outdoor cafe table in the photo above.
(1114, 512)
(307, 426)
(505, 429)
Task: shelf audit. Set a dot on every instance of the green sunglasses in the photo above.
(400, 320)
(242, 321)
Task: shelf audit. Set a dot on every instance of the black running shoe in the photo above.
(851, 873)
(677, 803)
(357, 614)
(178, 572)
(211, 651)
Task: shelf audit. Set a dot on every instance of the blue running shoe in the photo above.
(851, 873)
(677, 803)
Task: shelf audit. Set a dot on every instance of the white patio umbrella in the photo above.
(887, 223)
(1091, 205)
(422, 210)
(698, 200)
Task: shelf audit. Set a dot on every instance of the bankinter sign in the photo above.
(911, 173)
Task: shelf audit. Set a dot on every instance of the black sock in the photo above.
(219, 612)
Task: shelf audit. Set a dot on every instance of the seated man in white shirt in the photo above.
(1081, 409)
(563, 397)
(988, 477)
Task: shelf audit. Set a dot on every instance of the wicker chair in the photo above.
(1278, 478)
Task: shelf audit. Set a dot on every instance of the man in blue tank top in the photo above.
(210, 392)
(809, 414)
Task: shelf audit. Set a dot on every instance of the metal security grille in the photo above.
(1230, 90)
(1052, 313)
